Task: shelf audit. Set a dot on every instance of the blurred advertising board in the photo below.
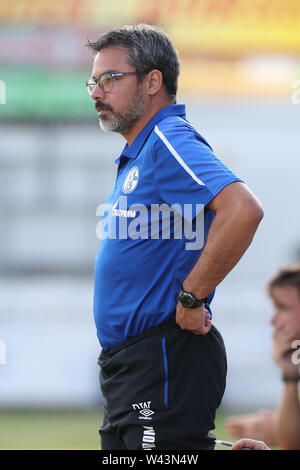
(213, 26)
(227, 47)
(40, 93)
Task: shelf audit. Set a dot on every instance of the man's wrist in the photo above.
(199, 293)
(189, 300)
(290, 378)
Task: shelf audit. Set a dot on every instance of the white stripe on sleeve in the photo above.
(177, 156)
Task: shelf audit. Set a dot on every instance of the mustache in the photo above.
(99, 106)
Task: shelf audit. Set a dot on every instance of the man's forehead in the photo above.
(285, 292)
(110, 58)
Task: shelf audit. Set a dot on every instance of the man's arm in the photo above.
(238, 214)
(288, 422)
(289, 418)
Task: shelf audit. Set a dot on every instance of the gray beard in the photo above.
(122, 123)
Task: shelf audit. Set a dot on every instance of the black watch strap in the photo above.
(287, 378)
(188, 300)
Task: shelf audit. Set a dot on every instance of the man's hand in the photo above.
(250, 444)
(282, 351)
(196, 320)
(261, 425)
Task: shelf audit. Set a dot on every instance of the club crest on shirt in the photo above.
(131, 180)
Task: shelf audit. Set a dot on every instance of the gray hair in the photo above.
(149, 47)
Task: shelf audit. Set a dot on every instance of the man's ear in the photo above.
(154, 81)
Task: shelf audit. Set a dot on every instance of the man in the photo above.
(281, 427)
(163, 363)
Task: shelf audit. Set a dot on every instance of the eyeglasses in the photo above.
(106, 80)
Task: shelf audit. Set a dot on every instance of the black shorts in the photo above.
(161, 390)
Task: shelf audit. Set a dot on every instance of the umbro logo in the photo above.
(147, 412)
(144, 409)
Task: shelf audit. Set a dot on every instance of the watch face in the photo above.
(187, 299)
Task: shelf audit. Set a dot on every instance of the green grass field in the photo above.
(61, 429)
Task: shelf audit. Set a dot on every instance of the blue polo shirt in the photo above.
(154, 225)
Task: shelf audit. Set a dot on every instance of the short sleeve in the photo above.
(186, 169)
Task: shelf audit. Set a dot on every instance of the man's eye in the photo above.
(106, 81)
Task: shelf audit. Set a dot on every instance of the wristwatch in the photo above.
(288, 378)
(188, 299)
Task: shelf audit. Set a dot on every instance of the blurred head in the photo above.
(145, 50)
(284, 290)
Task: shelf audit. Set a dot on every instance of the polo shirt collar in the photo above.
(132, 151)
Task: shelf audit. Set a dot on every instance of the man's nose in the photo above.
(276, 320)
(273, 319)
(97, 93)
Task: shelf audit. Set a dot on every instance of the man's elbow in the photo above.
(256, 213)
(251, 212)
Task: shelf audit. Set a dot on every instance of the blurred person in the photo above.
(163, 364)
(280, 427)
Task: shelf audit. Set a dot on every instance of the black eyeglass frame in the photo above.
(113, 75)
